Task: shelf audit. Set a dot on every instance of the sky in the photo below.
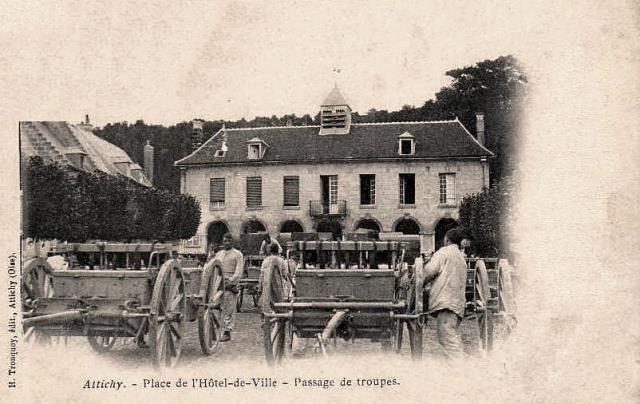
(165, 62)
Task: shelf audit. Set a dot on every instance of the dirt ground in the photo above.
(246, 345)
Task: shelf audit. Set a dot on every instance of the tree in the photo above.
(497, 88)
(487, 217)
(73, 205)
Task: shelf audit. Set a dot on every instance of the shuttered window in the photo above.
(254, 192)
(216, 192)
(291, 191)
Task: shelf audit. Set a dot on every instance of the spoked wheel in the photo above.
(102, 343)
(210, 322)
(37, 283)
(397, 337)
(35, 336)
(167, 315)
(274, 331)
(240, 299)
(485, 326)
(415, 338)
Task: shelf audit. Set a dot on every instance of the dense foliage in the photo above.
(486, 217)
(495, 87)
(72, 205)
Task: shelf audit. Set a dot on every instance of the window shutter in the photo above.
(291, 190)
(216, 191)
(254, 192)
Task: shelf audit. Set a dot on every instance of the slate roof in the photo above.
(364, 142)
(52, 140)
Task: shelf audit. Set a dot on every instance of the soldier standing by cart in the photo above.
(447, 270)
(232, 269)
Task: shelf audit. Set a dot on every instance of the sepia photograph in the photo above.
(321, 202)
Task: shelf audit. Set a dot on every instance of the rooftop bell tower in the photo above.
(335, 114)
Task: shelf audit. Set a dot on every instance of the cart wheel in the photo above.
(209, 324)
(240, 299)
(167, 315)
(101, 343)
(37, 282)
(273, 333)
(415, 338)
(485, 326)
(397, 338)
(35, 336)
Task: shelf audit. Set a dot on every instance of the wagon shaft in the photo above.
(52, 319)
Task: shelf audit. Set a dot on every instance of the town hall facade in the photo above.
(336, 177)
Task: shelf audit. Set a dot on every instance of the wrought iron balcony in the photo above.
(320, 208)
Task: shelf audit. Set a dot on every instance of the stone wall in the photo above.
(471, 175)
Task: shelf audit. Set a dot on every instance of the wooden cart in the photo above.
(248, 284)
(104, 304)
(490, 295)
(359, 296)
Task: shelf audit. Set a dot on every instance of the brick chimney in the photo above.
(196, 134)
(148, 161)
(480, 127)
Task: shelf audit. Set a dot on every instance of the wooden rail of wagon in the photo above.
(376, 303)
(340, 301)
(104, 305)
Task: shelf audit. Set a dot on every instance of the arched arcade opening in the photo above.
(215, 231)
(442, 227)
(291, 226)
(407, 226)
(330, 226)
(253, 226)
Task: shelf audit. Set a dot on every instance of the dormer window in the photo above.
(256, 148)
(406, 144)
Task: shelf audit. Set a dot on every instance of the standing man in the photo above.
(232, 270)
(266, 243)
(447, 270)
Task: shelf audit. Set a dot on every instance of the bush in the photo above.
(485, 216)
(71, 205)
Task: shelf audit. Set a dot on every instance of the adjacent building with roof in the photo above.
(337, 177)
(75, 145)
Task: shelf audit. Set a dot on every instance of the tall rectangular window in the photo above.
(448, 189)
(254, 192)
(291, 191)
(367, 189)
(216, 193)
(407, 189)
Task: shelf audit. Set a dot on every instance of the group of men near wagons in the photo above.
(445, 270)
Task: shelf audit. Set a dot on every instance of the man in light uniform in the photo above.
(447, 270)
(232, 270)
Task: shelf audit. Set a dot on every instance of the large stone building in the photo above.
(337, 177)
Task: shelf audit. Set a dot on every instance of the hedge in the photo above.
(63, 203)
(484, 216)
